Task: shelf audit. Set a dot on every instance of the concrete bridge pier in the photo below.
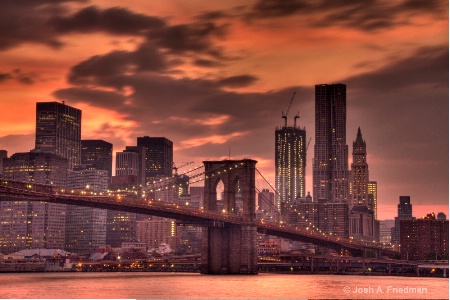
(231, 248)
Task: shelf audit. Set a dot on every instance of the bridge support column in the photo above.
(229, 250)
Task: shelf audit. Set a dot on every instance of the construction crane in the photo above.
(284, 115)
(295, 119)
(307, 146)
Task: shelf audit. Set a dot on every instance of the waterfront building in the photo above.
(120, 228)
(330, 163)
(27, 225)
(97, 153)
(290, 165)
(86, 226)
(424, 239)
(158, 155)
(58, 131)
(404, 209)
(156, 231)
(386, 233)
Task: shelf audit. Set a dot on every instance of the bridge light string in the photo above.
(49, 189)
(317, 230)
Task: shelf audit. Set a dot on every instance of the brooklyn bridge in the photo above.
(229, 239)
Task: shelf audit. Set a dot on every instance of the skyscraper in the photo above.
(159, 156)
(290, 164)
(373, 198)
(58, 131)
(330, 164)
(404, 209)
(97, 153)
(359, 173)
(26, 224)
(330, 168)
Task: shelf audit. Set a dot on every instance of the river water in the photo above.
(142, 285)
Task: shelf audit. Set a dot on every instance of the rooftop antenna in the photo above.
(284, 115)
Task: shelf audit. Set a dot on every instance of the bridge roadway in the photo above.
(21, 191)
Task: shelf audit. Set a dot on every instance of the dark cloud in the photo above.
(4, 77)
(237, 81)
(18, 75)
(367, 15)
(104, 69)
(26, 22)
(196, 37)
(105, 99)
(116, 20)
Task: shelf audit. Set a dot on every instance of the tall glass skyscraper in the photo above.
(290, 164)
(159, 156)
(97, 153)
(330, 168)
(58, 131)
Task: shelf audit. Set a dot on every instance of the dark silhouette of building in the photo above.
(3, 155)
(424, 239)
(58, 131)
(404, 209)
(97, 153)
(159, 156)
(330, 167)
(290, 164)
(441, 216)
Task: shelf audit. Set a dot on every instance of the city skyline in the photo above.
(215, 78)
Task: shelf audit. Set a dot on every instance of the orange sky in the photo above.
(214, 77)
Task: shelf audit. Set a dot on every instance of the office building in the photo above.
(307, 213)
(330, 163)
(290, 164)
(127, 163)
(27, 225)
(386, 233)
(58, 131)
(98, 154)
(159, 156)
(424, 239)
(142, 152)
(86, 226)
(361, 216)
(372, 198)
(404, 212)
(156, 231)
(120, 227)
(330, 168)
(359, 173)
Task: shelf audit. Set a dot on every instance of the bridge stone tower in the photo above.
(230, 248)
